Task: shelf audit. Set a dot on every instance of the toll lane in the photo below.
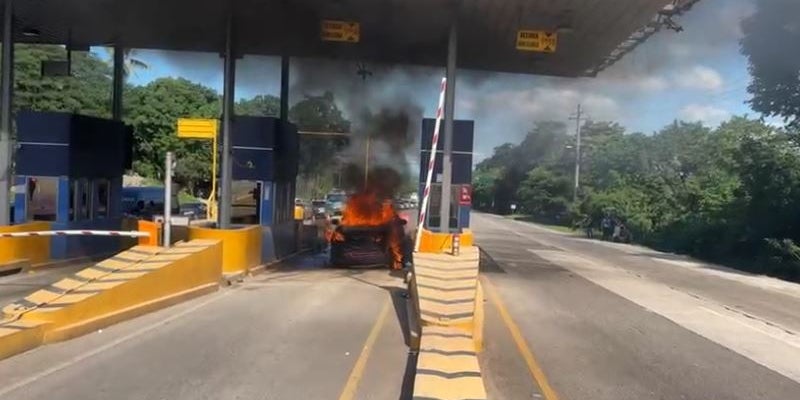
(294, 333)
(599, 334)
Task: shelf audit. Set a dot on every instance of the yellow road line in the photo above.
(533, 366)
(349, 391)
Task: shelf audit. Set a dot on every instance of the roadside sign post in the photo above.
(204, 129)
(168, 164)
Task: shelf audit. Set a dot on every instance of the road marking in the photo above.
(349, 391)
(533, 366)
(66, 364)
(762, 331)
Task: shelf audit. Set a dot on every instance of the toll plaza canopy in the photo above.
(386, 31)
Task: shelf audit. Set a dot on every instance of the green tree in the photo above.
(775, 72)
(544, 193)
(87, 91)
(153, 111)
(259, 106)
(130, 62)
(484, 187)
(318, 161)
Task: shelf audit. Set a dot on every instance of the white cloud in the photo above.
(651, 83)
(553, 103)
(708, 115)
(699, 77)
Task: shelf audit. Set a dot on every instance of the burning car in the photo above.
(369, 234)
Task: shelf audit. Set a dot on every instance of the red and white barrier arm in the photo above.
(423, 211)
(75, 233)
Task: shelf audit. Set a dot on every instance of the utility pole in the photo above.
(578, 118)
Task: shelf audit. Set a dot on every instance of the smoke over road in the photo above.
(385, 119)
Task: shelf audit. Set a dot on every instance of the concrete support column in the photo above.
(226, 175)
(118, 84)
(449, 111)
(284, 87)
(6, 94)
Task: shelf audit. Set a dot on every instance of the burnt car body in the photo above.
(369, 246)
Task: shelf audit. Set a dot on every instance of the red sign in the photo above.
(465, 198)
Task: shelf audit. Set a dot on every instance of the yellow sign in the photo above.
(340, 31)
(195, 128)
(541, 41)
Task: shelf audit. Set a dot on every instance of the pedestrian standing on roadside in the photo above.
(606, 227)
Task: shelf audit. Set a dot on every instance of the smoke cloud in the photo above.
(385, 118)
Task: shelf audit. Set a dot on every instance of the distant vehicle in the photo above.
(335, 201)
(144, 202)
(194, 210)
(319, 209)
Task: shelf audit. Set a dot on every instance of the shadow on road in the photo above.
(488, 265)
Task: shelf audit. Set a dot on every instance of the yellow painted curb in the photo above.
(478, 319)
(18, 336)
(83, 327)
(241, 248)
(127, 285)
(434, 242)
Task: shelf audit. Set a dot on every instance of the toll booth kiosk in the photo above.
(461, 189)
(265, 165)
(69, 172)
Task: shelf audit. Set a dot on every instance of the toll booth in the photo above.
(69, 172)
(461, 189)
(265, 165)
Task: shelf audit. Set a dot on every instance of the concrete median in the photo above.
(129, 284)
(31, 250)
(241, 248)
(449, 300)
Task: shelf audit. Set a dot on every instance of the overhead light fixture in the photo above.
(565, 28)
(31, 33)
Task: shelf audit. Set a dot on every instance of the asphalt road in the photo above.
(295, 333)
(607, 321)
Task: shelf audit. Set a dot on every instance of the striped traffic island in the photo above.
(449, 303)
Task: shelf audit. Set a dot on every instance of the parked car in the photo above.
(144, 202)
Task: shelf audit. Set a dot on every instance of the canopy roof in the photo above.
(391, 31)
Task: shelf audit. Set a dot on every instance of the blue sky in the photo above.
(696, 75)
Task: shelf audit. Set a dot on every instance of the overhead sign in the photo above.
(539, 41)
(340, 31)
(196, 128)
(465, 195)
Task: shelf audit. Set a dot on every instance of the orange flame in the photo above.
(366, 209)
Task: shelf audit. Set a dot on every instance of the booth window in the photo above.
(102, 188)
(42, 195)
(246, 201)
(79, 201)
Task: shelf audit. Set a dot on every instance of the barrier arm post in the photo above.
(423, 211)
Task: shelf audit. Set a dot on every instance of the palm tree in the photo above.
(130, 62)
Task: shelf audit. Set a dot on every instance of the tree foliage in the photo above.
(153, 109)
(319, 164)
(728, 194)
(87, 91)
(770, 42)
